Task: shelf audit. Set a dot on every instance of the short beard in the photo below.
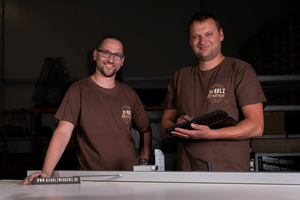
(209, 57)
(107, 75)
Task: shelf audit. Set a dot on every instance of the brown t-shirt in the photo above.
(229, 86)
(102, 119)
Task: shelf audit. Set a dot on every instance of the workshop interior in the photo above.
(47, 45)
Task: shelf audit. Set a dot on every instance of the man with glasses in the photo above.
(214, 83)
(101, 112)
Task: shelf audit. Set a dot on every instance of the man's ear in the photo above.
(221, 34)
(95, 54)
(122, 61)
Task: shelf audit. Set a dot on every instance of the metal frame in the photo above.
(184, 177)
(257, 155)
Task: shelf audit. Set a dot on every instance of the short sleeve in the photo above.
(69, 109)
(248, 88)
(171, 96)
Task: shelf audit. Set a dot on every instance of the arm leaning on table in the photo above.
(145, 144)
(58, 143)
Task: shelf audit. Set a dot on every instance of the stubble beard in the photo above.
(210, 56)
(101, 70)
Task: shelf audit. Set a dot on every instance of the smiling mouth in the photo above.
(109, 66)
(203, 48)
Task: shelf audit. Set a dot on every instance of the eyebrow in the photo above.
(112, 52)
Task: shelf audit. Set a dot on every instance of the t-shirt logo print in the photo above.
(216, 93)
(126, 114)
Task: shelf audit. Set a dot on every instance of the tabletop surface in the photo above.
(163, 188)
(10, 190)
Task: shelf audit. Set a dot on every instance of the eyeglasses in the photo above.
(107, 54)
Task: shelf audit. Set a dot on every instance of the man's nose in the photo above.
(201, 40)
(111, 58)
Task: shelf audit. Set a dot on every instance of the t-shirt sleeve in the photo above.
(248, 88)
(171, 96)
(141, 120)
(69, 109)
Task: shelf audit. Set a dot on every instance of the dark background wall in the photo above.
(154, 34)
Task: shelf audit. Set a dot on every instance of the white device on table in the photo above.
(159, 163)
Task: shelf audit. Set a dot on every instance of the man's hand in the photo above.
(29, 179)
(184, 118)
(200, 132)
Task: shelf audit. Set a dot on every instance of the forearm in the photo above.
(166, 123)
(168, 119)
(251, 126)
(245, 129)
(55, 150)
(145, 144)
